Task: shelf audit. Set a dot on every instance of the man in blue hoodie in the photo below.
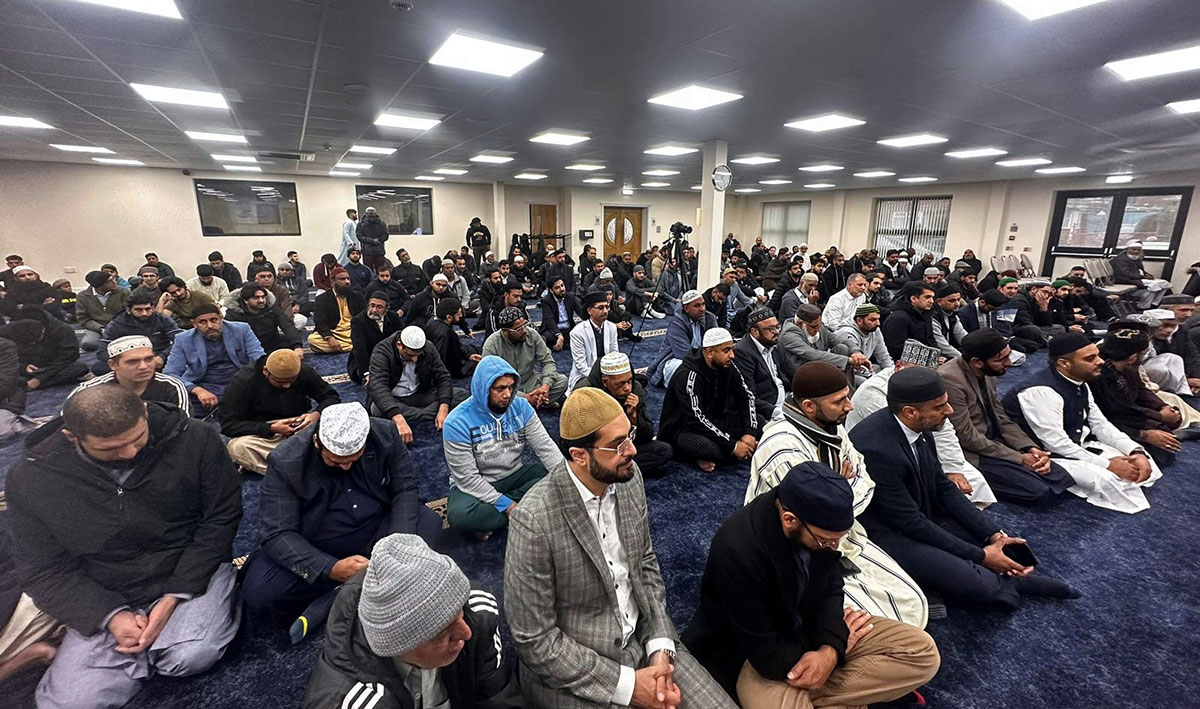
(684, 334)
(484, 438)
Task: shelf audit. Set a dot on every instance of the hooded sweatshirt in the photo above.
(482, 446)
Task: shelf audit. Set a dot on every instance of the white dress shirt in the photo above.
(1043, 409)
(840, 309)
(767, 354)
(407, 383)
(602, 513)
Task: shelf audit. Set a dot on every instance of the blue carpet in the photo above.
(1127, 642)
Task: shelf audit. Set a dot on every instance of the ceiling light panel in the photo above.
(243, 168)
(530, 176)
(1173, 62)
(660, 173)
(353, 166)
(598, 180)
(234, 158)
(917, 179)
(462, 51)
(774, 182)
(553, 137)
(1059, 170)
(585, 167)
(671, 150)
(874, 173)
(1023, 162)
(215, 137)
(830, 121)
(449, 171)
(656, 184)
(976, 153)
(82, 148)
(183, 97)
(118, 161)
(371, 150)
(911, 141)
(491, 159)
(755, 160)
(344, 173)
(694, 98)
(409, 121)
(697, 187)
(1119, 179)
(820, 185)
(429, 178)
(162, 8)
(822, 168)
(23, 122)
(1037, 9)
(747, 190)
(1192, 106)
(626, 191)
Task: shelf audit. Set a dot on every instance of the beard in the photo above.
(989, 371)
(343, 290)
(609, 476)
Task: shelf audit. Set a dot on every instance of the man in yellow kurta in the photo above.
(332, 311)
(812, 429)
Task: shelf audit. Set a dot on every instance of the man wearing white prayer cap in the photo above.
(1128, 269)
(708, 415)
(325, 499)
(133, 363)
(613, 374)
(685, 331)
(408, 382)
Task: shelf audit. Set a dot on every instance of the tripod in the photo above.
(673, 249)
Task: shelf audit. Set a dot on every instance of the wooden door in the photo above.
(622, 231)
(543, 219)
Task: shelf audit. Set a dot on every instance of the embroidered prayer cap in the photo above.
(758, 315)
(1161, 314)
(344, 427)
(817, 495)
(283, 364)
(121, 345)
(1122, 343)
(983, 343)
(932, 271)
(596, 297)
(615, 363)
(518, 257)
(1144, 319)
(690, 297)
(412, 337)
(865, 309)
(1067, 343)
(813, 380)
(920, 354)
(915, 385)
(586, 411)
(510, 315)
(439, 278)
(716, 336)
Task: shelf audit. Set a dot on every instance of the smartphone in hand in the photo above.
(1022, 554)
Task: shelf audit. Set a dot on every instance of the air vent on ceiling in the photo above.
(303, 157)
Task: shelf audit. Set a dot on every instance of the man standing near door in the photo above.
(479, 238)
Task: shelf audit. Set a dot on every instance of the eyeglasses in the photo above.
(822, 542)
(514, 329)
(624, 446)
(772, 328)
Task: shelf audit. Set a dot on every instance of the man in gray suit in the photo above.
(806, 339)
(582, 589)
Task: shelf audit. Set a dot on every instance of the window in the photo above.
(916, 222)
(785, 223)
(405, 210)
(247, 208)
(1099, 223)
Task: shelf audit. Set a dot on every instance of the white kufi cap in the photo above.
(344, 427)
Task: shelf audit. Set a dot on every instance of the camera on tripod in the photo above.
(678, 229)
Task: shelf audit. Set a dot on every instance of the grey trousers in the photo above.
(423, 405)
(89, 672)
(558, 385)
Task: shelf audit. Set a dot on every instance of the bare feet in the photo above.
(706, 465)
(39, 654)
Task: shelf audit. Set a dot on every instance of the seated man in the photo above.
(359, 272)
(1015, 467)
(812, 430)
(511, 342)
(613, 373)
(269, 401)
(296, 289)
(840, 309)
(144, 585)
(424, 305)
(511, 296)
(397, 297)
(948, 332)
(329, 493)
(560, 312)
(872, 397)
(641, 298)
(409, 384)
(140, 318)
(953, 550)
(911, 318)
(685, 332)
(863, 336)
(278, 298)
(573, 537)
(150, 282)
(759, 358)
(1125, 401)
(182, 301)
(133, 365)
(97, 305)
(708, 415)
(524, 276)
(1128, 269)
(1056, 410)
(206, 282)
(46, 348)
(459, 357)
(800, 640)
(593, 338)
(370, 327)
(207, 356)
(274, 330)
(1164, 363)
(806, 339)
(332, 312)
(411, 631)
(484, 439)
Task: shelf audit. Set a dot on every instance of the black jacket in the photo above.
(1028, 312)
(549, 324)
(364, 335)
(645, 424)
(905, 323)
(386, 368)
(450, 348)
(477, 679)
(86, 546)
(714, 403)
(752, 606)
(411, 276)
(910, 501)
(1127, 271)
(160, 329)
(757, 375)
(250, 402)
(325, 310)
(298, 489)
(12, 384)
(424, 306)
(230, 274)
(274, 330)
(484, 241)
(834, 279)
(57, 348)
(372, 234)
(397, 294)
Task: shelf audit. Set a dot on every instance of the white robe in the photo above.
(1087, 463)
(583, 348)
(880, 587)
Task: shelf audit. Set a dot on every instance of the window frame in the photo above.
(910, 229)
(785, 205)
(212, 181)
(374, 186)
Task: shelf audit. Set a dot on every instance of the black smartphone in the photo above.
(1021, 553)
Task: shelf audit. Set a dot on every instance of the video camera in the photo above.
(678, 229)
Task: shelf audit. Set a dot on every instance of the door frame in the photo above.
(645, 212)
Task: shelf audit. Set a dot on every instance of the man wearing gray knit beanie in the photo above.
(409, 631)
